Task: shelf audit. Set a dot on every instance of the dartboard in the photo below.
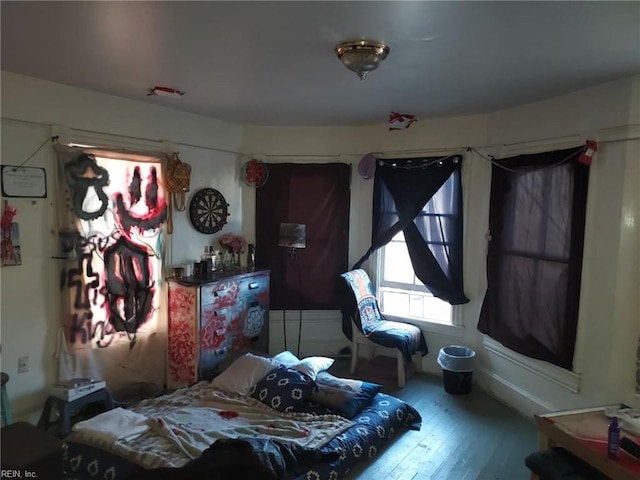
(208, 210)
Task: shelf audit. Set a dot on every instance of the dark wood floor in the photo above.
(463, 437)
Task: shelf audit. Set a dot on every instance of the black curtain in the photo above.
(402, 188)
(534, 261)
(318, 196)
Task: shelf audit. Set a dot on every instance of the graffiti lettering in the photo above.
(76, 280)
(82, 326)
(77, 327)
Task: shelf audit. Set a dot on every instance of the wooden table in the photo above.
(584, 433)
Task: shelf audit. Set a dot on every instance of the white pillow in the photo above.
(244, 373)
(312, 366)
(287, 359)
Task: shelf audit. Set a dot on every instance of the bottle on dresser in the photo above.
(251, 257)
(206, 261)
(214, 259)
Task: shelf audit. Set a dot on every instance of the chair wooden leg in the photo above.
(417, 360)
(401, 378)
(354, 357)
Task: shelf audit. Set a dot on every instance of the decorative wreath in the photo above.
(255, 173)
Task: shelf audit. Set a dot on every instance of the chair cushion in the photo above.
(405, 337)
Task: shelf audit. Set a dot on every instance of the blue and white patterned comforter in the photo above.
(373, 428)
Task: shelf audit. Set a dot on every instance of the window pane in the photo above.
(397, 264)
(416, 306)
(436, 310)
(409, 304)
(395, 303)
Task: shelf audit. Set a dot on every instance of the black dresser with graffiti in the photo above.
(212, 316)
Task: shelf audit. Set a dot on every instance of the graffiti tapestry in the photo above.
(112, 213)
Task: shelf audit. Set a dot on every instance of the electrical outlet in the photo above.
(23, 364)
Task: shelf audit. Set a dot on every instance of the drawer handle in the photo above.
(255, 303)
(219, 293)
(253, 285)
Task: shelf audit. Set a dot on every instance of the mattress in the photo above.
(358, 439)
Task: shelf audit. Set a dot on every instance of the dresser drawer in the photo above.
(214, 293)
(255, 288)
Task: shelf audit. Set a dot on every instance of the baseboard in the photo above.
(429, 365)
(563, 378)
(510, 394)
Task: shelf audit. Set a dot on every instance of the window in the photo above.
(112, 215)
(534, 264)
(400, 291)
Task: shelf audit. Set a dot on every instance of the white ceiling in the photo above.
(273, 63)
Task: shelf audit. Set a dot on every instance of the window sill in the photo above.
(564, 378)
(446, 330)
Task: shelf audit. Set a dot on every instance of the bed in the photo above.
(318, 425)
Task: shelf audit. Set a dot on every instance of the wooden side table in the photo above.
(66, 410)
(31, 452)
(583, 433)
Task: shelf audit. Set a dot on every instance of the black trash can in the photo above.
(457, 369)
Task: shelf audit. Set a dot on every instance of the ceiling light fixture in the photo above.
(362, 56)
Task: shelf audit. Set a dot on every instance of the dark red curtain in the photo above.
(318, 196)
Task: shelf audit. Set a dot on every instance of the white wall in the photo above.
(29, 318)
(609, 311)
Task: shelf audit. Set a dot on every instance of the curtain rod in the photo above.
(293, 155)
(382, 153)
(130, 137)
